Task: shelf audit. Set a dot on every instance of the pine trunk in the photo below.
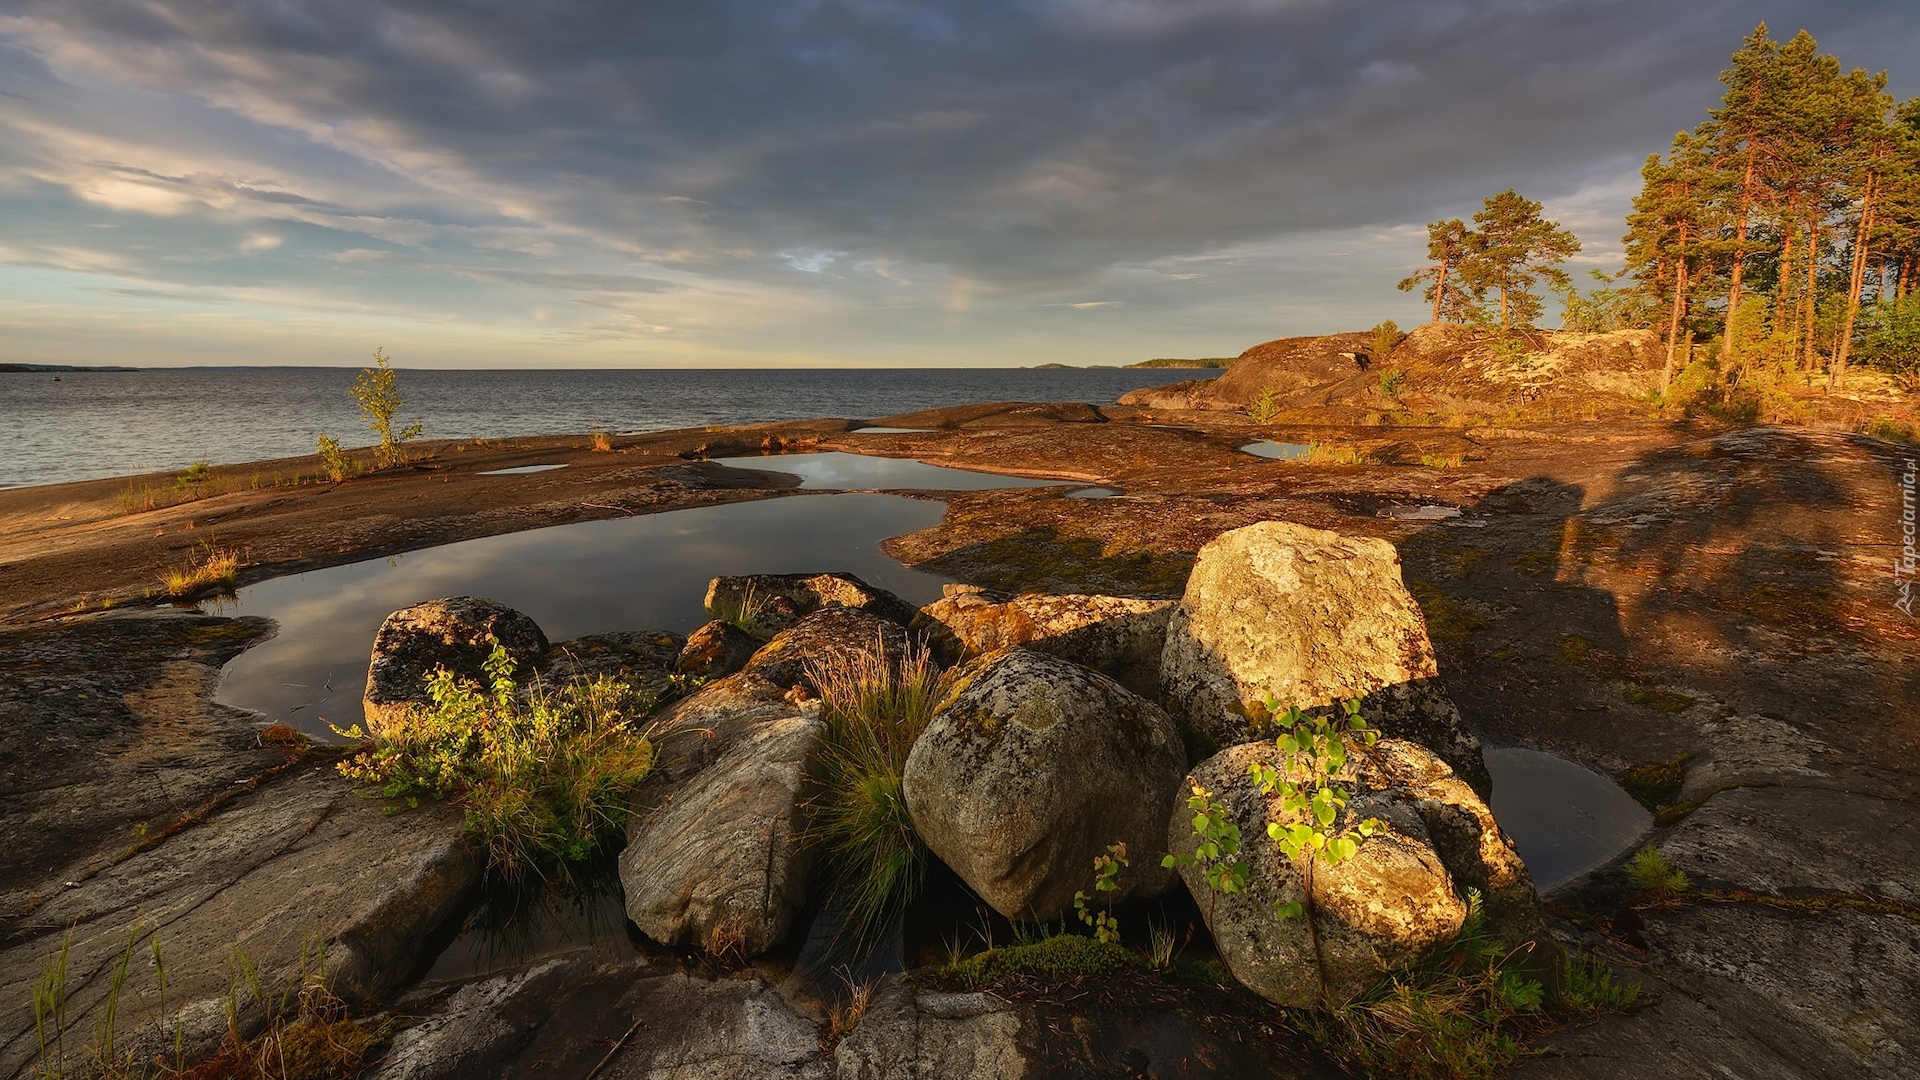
(1809, 310)
(1857, 281)
(1673, 324)
(1739, 255)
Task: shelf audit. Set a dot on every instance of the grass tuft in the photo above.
(211, 566)
(542, 773)
(1651, 871)
(874, 710)
(1588, 986)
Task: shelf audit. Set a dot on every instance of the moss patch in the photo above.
(1063, 956)
(1449, 622)
(1656, 782)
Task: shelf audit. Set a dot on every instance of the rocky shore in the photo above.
(1705, 612)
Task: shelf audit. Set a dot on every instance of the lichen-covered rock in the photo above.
(825, 634)
(715, 651)
(642, 659)
(1119, 636)
(455, 632)
(1310, 618)
(1030, 769)
(765, 604)
(1402, 895)
(695, 731)
(723, 863)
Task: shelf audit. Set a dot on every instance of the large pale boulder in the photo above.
(455, 632)
(1309, 618)
(1119, 636)
(1401, 896)
(822, 636)
(765, 604)
(1030, 769)
(723, 863)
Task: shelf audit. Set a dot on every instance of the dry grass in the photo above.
(211, 566)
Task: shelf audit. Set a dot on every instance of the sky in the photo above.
(713, 183)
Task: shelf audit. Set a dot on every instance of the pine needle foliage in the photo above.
(874, 710)
(541, 772)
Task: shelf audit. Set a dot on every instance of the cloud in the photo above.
(881, 173)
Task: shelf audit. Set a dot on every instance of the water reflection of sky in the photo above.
(1285, 451)
(592, 577)
(858, 472)
(1564, 818)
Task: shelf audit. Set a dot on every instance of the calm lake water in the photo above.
(639, 573)
(117, 423)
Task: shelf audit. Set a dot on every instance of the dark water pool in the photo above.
(1564, 818)
(861, 472)
(592, 577)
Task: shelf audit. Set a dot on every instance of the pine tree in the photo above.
(1513, 249)
(1448, 242)
(1668, 230)
(1736, 134)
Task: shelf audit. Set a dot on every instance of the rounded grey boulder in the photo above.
(1030, 769)
(1403, 894)
(1309, 618)
(819, 637)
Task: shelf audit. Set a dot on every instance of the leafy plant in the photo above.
(376, 390)
(1215, 855)
(1391, 380)
(542, 773)
(1266, 406)
(599, 441)
(1651, 871)
(334, 460)
(195, 474)
(1386, 337)
(1106, 874)
(874, 710)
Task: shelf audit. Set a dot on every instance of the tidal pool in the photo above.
(1564, 818)
(861, 472)
(638, 573)
(520, 469)
(1284, 451)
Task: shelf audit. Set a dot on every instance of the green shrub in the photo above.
(542, 773)
(1651, 871)
(376, 390)
(1391, 380)
(1588, 985)
(1386, 337)
(334, 460)
(874, 710)
(1266, 406)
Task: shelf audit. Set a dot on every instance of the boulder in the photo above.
(1120, 636)
(642, 659)
(829, 632)
(1310, 618)
(695, 731)
(715, 651)
(1030, 769)
(1389, 906)
(765, 604)
(455, 632)
(723, 863)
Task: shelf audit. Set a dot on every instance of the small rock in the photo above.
(1310, 618)
(829, 632)
(1031, 769)
(723, 863)
(1119, 636)
(455, 632)
(765, 604)
(642, 659)
(1386, 908)
(715, 651)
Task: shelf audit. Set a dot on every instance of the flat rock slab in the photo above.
(301, 876)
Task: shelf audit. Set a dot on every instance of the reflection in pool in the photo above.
(519, 469)
(1564, 818)
(1093, 493)
(592, 577)
(1285, 451)
(861, 472)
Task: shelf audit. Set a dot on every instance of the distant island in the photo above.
(1178, 362)
(58, 367)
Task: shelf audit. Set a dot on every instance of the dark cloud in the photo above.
(1018, 146)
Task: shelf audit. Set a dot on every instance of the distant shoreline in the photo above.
(27, 368)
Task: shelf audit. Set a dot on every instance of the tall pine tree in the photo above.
(1513, 247)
